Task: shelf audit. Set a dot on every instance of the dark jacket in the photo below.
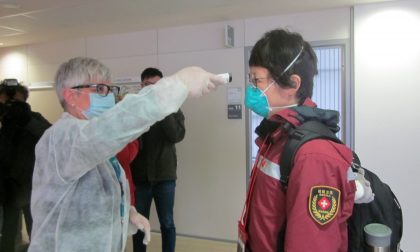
(157, 160)
(17, 144)
(2, 176)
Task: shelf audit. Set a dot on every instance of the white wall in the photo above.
(387, 63)
(211, 170)
(314, 26)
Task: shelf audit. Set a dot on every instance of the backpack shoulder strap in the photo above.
(308, 131)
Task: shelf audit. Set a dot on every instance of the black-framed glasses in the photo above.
(255, 81)
(101, 89)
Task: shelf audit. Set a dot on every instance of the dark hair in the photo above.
(150, 72)
(7, 88)
(276, 50)
(22, 90)
(10, 87)
(3, 88)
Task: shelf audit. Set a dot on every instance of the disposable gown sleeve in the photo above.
(79, 145)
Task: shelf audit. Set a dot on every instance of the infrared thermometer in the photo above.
(227, 77)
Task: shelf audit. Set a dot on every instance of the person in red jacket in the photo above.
(125, 157)
(311, 212)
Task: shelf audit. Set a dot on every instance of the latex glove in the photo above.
(364, 192)
(140, 222)
(198, 81)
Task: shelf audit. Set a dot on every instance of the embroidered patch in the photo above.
(324, 202)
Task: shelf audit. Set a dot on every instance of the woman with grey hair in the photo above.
(80, 197)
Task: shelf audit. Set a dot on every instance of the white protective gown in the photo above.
(76, 196)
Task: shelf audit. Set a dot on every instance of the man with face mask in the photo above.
(80, 197)
(277, 217)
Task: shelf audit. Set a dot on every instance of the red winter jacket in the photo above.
(125, 157)
(312, 211)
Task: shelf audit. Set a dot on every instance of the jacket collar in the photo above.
(308, 111)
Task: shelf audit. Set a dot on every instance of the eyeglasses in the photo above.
(255, 81)
(101, 89)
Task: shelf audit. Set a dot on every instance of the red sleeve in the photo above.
(125, 157)
(312, 222)
(134, 149)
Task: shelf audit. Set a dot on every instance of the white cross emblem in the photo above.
(324, 203)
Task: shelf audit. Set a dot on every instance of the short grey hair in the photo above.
(79, 71)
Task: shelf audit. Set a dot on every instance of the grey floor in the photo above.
(183, 244)
(188, 244)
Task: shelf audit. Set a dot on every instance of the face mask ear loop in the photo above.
(75, 106)
(268, 87)
(293, 61)
(283, 107)
(266, 97)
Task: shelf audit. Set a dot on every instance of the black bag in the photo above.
(384, 209)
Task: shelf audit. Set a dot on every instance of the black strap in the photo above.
(308, 131)
(356, 160)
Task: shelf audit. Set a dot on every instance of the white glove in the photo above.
(198, 81)
(140, 222)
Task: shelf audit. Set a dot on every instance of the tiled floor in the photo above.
(188, 244)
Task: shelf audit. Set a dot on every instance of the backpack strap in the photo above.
(308, 131)
(356, 164)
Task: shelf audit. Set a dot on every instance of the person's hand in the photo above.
(17, 114)
(198, 81)
(141, 223)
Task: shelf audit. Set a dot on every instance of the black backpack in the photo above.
(384, 209)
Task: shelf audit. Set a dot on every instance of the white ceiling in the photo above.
(32, 21)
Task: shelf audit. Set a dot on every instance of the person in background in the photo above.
(277, 217)
(154, 169)
(125, 157)
(2, 167)
(21, 129)
(80, 196)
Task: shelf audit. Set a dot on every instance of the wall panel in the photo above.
(387, 60)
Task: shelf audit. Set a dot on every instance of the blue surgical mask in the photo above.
(257, 101)
(99, 104)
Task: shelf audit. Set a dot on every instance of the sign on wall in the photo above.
(234, 101)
